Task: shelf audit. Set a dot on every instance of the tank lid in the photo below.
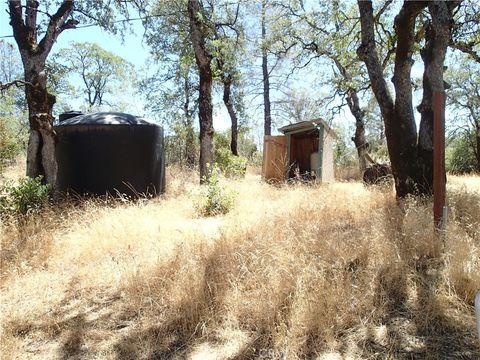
(106, 118)
(68, 115)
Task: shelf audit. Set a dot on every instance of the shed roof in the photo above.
(307, 125)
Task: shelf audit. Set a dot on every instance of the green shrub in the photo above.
(460, 155)
(218, 199)
(230, 165)
(29, 195)
(10, 146)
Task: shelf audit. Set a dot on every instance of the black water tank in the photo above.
(110, 152)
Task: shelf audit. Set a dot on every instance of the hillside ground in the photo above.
(333, 271)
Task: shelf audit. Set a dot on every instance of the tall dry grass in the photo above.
(298, 271)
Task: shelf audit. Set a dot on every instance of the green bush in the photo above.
(10, 146)
(29, 195)
(230, 165)
(217, 199)
(460, 156)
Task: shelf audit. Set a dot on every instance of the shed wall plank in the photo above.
(274, 157)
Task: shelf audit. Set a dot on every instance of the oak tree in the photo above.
(410, 151)
(34, 52)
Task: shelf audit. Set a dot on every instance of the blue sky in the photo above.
(131, 48)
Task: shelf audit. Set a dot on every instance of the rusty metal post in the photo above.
(439, 177)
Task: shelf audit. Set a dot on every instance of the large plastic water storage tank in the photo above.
(110, 152)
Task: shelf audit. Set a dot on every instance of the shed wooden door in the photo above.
(274, 157)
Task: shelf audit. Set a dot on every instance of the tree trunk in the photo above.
(41, 160)
(477, 138)
(359, 138)
(203, 60)
(400, 128)
(437, 38)
(266, 76)
(361, 145)
(206, 124)
(190, 144)
(425, 135)
(190, 135)
(411, 159)
(41, 147)
(227, 86)
(354, 105)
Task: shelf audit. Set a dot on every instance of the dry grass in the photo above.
(324, 272)
(15, 171)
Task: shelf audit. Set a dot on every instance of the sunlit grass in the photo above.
(298, 271)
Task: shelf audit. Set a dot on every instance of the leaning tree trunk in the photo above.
(203, 59)
(227, 100)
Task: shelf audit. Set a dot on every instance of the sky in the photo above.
(131, 48)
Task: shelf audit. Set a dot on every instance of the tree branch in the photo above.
(16, 83)
(466, 48)
(367, 52)
(56, 25)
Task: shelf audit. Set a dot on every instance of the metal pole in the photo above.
(439, 179)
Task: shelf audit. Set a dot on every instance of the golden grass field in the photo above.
(336, 271)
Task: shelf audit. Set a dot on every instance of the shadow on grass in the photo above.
(420, 322)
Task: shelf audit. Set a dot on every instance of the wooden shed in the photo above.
(305, 150)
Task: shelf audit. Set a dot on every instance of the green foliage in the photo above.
(460, 157)
(13, 123)
(181, 145)
(102, 73)
(29, 195)
(218, 199)
(230, 165)
(10, 146)
(344, 154)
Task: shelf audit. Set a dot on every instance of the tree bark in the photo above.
(359, 139)
(227, 100)
(353, 103)
(41, 159)
(203, 60)
(190, 135)
(398, 116)
(41, 148)
(266, 76)
(437, 38)
(477, 141)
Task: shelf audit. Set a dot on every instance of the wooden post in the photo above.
(439, 177)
